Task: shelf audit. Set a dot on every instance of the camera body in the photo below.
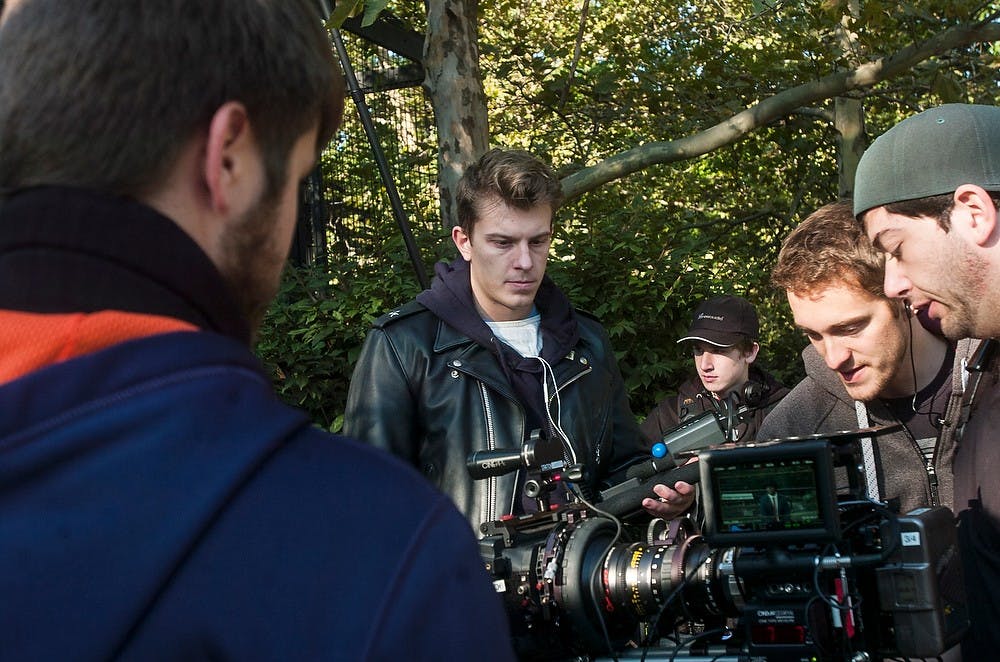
(827, 576)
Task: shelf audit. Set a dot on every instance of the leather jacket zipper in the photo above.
(489, 503)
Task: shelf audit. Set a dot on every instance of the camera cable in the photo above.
(703, 635)
(936, 418)
(666, 603)
(555, 423)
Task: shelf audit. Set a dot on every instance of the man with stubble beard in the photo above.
(869, 362)
(927, 194)
(157, 500)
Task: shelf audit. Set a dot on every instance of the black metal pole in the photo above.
(383, 166)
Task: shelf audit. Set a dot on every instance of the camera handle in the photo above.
(542, 482)
(539, 486)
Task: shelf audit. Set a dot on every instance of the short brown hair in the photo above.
(518, 178)
(104, 94)
(745, 345)
(938, 207)
(828, 247)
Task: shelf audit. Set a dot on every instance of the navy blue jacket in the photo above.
(157, 501)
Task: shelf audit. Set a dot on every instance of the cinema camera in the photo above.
(832, 576)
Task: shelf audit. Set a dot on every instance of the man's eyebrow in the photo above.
(877, 239)
(496, 236)
(846, 325)
(493, 236)
(839, 327)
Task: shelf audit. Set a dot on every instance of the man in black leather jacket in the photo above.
(494, 350)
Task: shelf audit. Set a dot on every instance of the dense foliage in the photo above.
(579, 81)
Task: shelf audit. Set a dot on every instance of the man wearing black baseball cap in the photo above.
(927, 193)
(723, 338)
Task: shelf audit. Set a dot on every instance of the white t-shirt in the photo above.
(525, 335)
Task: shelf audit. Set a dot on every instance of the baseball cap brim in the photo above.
(717, 338)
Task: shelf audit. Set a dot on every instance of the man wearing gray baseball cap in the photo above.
(927, 192)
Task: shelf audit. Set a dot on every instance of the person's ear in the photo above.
(974, 216)
(233, 168)
(751, 356)
(463, 242)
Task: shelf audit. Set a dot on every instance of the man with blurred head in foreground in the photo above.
(927, 193)
(157, 501)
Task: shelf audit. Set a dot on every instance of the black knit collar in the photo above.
(73, 250)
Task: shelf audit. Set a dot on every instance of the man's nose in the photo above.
(835, 352)
(522, 258)
(705, 361)
(895, 283)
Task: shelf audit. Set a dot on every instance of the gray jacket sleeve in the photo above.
(807, 409)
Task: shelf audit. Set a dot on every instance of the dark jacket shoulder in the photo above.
(408, 309)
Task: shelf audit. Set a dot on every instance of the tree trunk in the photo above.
(849, 120)
(454, 85)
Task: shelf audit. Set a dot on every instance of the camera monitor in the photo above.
(769, 495)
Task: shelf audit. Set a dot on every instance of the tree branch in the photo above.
(773, 108)
(576, 53)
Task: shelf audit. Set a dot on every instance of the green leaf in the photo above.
(343, 10)
(372, 9)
